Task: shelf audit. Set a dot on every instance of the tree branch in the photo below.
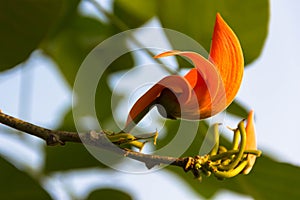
(53, 137)
(221, 162)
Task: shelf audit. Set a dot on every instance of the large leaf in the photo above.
(72, 156)
(24, 24)
(70, 47)
(73, 42)
(69, 10)
(237, 109)
(108, 193)
(62, 158)
(135, 12)
(15, 184)
(249, 19)
(269, 179)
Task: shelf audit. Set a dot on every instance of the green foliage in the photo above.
(237, 109)
(268, 179)
(16, 184)
(70, 157)
(24, 24)
(67, 37)
(73, 42)
(108, 193)
(249, 19)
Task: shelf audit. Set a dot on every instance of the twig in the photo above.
(53, 137)
(222, 163)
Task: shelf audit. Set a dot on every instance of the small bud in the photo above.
(251, 142)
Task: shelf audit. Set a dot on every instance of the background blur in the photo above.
(42, 46)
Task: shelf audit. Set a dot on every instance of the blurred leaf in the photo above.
(121, 63)
(24, 24)
(235, 108)
(15, 184)
(67, 123)
(73, 43)
(103, 102)
(104, 94)
(135, 12)
(173, 129)
(268, 179)
(69, 10)
(249, 19)
(108, 193)
(272, 180)
(103, 110)
(62, 158)
(69, 157)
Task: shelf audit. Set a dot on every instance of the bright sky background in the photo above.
(271, 87)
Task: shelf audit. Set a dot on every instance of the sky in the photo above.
(271, 87)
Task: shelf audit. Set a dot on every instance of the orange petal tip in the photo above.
(251, 142)
(167, 53)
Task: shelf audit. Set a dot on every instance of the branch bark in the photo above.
(54, 137)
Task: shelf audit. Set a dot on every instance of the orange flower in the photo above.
(250, 142)
(205, 90)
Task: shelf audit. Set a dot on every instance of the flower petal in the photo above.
(205, 81)
(177, 84)
(204, 91)
(250, 142)
(226, 53)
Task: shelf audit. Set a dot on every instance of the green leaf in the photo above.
(15, 184)
(24, 24)
(68, 122)
(237, 109)
(109, 193)
(71, 46)
(249, 19)
(135, 12)
(172, 127)
(73, 42)
(268, 179)
(272, 180)
(69, 157)
(62, 158)
(69, 10)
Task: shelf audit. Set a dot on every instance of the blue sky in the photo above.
(271, 84)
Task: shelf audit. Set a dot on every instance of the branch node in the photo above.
(126, 153)
(53, 140)
(189, 162)
(94, 135)
(150, 164)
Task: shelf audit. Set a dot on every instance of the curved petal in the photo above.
(204, 91)
(176, 84)
(227, 55)
(205, 81)
(250, 141)
(207, 70)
